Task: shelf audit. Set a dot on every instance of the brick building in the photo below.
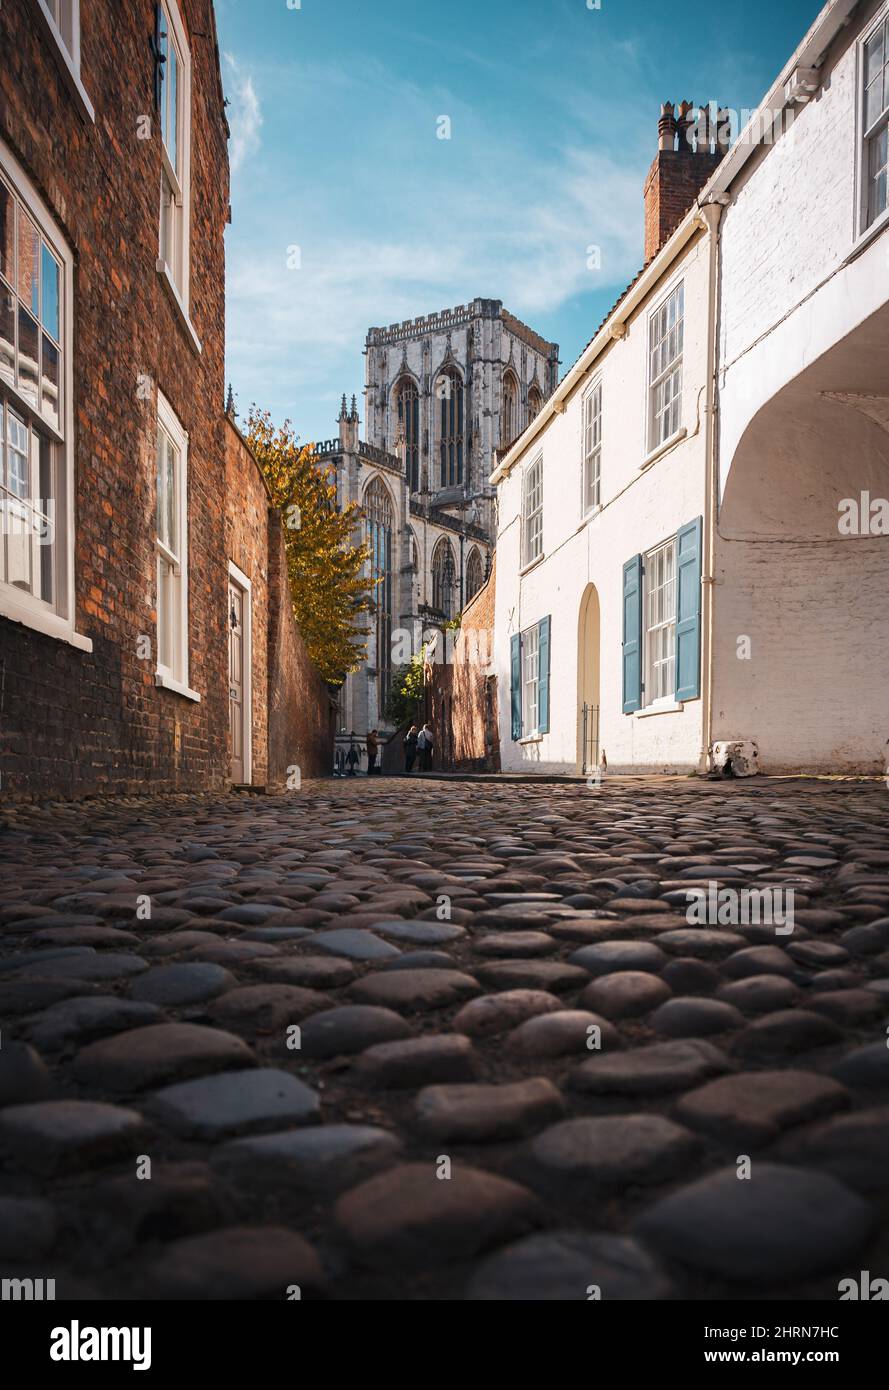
(461, 690)
(115, 548)
(281, 713)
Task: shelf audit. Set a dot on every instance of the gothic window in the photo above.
(535, 401)
(378, 524)
(509, 410)
(449, 390)
(407, 399)
(474, 575)
(443, 571)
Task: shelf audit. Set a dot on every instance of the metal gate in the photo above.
(590, 738)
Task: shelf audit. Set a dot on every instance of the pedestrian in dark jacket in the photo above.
(353, 757)
(373, 747)
(410, 748)
(425, 741)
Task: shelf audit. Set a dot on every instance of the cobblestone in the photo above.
(542, 1087)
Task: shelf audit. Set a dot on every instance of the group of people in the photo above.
(418, 743)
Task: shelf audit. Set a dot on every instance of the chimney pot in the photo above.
(666, 127)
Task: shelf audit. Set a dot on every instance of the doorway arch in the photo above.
(588, 662)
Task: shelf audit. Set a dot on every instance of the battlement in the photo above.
(457, 317)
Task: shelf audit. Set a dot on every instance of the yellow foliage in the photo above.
(325, 564)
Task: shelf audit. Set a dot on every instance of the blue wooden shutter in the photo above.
(632, 648)
(543, 685)
(688, 611)
(516, 687)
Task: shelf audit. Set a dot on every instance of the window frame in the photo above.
(510, 427)
(451, 446)
(650, 663)
(594, 390)
(175, 677)
(530, 515)
(178, 180)
(675, 366)
(379, 536)
(57, 620)
(440, 590)
(407, 391)
(67, 58)
(865, 135)
(530, 655)
(473, 563)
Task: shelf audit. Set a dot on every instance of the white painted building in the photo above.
(601, 510)
(700, 589)
(804, 410)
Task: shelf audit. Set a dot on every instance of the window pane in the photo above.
(50, 402)
(7, 234)
(873, 102)
(873, 56)
(159, 486)
(170, 499)
(163, 43)
(173, 140)
(43, 517)
(7, 336)
(16, 455)
(50, 314)
(29, 264)
(28, 360)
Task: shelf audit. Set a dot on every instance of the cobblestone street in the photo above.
(442, 1040)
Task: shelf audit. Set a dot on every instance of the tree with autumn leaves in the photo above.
(328, 585)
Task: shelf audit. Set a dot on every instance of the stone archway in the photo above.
(801, 630)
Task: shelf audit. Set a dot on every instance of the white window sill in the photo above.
(589, 516)
(66, 64)
(531, 738)
(172, 289)
(531, 565)
(869, 234)
(167, 682)
(48, 623)
(664, 448)
(662, 707)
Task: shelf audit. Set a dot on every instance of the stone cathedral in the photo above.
(443, 394)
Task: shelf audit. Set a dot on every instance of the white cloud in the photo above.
(245, 115)
(485, 216)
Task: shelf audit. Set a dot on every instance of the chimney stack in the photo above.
(690, 147)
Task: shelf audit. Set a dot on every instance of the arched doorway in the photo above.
(589, 734)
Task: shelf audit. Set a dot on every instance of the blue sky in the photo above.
(349, 211)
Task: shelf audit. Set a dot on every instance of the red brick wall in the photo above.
(292, 706)
(73, 723)
(302, 711)
(674, 181)
(247, 545)
(461, 698)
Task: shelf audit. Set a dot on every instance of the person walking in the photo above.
(373, 747)
(410, 748)
(353, 757)
(425, 743)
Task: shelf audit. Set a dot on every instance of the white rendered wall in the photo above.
(641, 508)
